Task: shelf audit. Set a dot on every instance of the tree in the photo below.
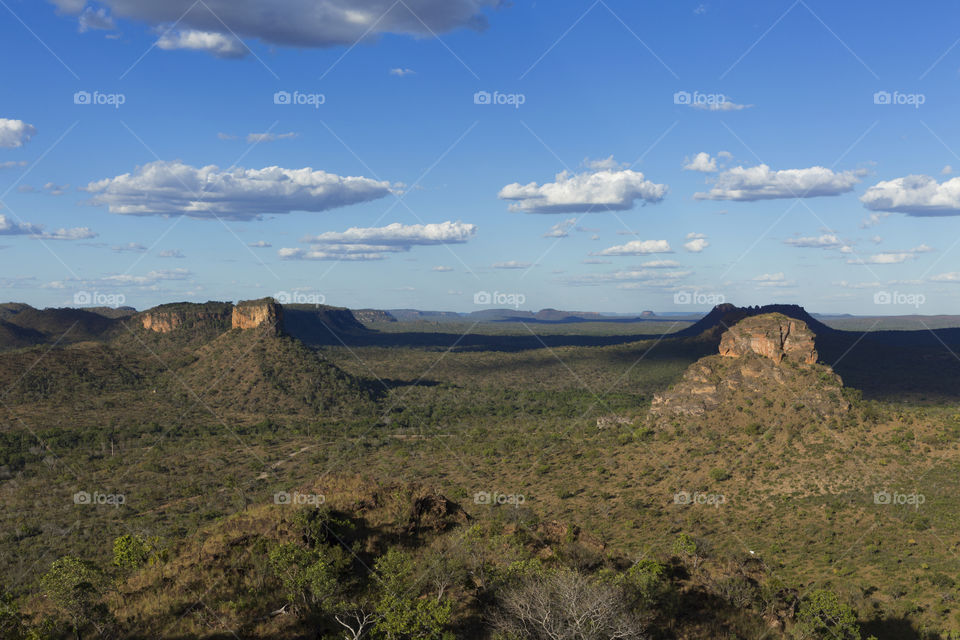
(822, 615)
(130, 552)
(566, 605)
(11, 620)
(74, 587)
(402, 613)
(309, 576)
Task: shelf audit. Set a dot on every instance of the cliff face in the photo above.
(767, 368)
(210, 317)
(773, 336)
(372, 315)
(257, 314)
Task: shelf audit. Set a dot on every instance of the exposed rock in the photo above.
(254, 314)
(768, 362)
(372, 315)
(773, 336)
(605, 422)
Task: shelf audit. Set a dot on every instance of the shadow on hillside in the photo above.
(892, 629)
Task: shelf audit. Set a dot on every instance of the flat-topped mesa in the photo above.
(771, 335)
(169, 317)
(254, 314)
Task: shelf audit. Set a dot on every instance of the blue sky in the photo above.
(632, 155)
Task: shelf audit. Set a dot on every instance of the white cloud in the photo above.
(660, 264)
(636, 248)
(632, 278)
(952, 276)
(873, 220)
(602, 190)
(561, 229)
(512, 264)
(725, 105)
(604, 164)
(442, 268)
(823, 241)
(947, 170)
(132, 247)
(301, 23)
(10, 228)
(596, 261)
(96, 19)
(696, 245)
(171, 253)
(226, 136)
(260, 244)
(56, 189)
(221, 45)
(883, 258)
(922, 248)
(174, 188)
(400, 71)
(773, 280)
(9, 164)
(269, 137)
(372, 243)
(701, 162)
(76, 233)
(915, 196)
(151, 278)
(762, 183)
(15, 133)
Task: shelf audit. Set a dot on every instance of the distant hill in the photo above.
(724, 316)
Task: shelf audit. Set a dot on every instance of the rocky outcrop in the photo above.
(213, 316)
(773, 336)
(372, 315)
(258, 314)
(767, 367)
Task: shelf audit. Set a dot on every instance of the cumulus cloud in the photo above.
(372, 243)
(883, 258)
(171, 253)
(10, 164)
(701, 162)
(632, 278)
(512, 264)
(561, 229)
(175, 189)
(442, 268)
(914, 195)
(636, 248)
(601, 190)
(763, 183)
(873, 220)
(146, 280)
(260, 244)
(400, 71)
(660, 264)
(15, 133)
(130, 247)
(724, 105)
(696, 242)
(10, 228)
(76, 233)
(952, 276)
(221, 45)
(298, 23)
(823, 241)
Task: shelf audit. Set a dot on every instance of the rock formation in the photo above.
(214, 316)
(255, 314)
(767, 366)
(773, 336)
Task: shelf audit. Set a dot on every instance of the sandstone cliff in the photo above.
(212, 316)
(258, 314)
(766, 371)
